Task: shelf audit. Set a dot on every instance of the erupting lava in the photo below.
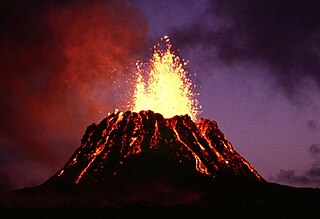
(161, 132)
(145, 144)
(167, 89)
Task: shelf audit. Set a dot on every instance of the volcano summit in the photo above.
(147, 144)
(147, 154)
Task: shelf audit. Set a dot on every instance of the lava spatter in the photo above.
(163, 85)
(108, 148)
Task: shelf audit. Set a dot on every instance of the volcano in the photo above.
(159, 155)
(155, 161)
(146, 165)
(134, 157)
(146, 145)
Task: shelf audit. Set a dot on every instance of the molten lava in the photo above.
(147, 143)
(161, 139)
(166, 89)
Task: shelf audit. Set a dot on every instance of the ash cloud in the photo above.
(314, 150)
(284, 36)
(290, 176)
(58, 62)
(311, 176)
(312, 125)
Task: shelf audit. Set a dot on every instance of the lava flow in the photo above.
(160, 139)
(165, 88)
(147, 143)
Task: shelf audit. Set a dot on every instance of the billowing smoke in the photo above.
(59, 62)
(281, 36)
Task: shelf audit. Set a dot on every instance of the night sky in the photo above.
(64, 65)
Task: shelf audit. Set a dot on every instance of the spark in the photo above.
(166, 88)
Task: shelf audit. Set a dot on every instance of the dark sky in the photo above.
(62, 63)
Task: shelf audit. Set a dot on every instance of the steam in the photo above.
(282, 37)
(59, 61)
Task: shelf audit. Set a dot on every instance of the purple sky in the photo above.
(257, 64)
(269, 111)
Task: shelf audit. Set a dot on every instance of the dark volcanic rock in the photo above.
(143, 165)
(146, 146)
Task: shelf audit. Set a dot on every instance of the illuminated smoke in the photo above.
(58, 62)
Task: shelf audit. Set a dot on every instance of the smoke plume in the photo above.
(59, 61)
(281, 36)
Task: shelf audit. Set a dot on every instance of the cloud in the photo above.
(314, 172)
(314, 150)
(312, 125)
(310, 176)
(58, 62)
(290, 176)
(282, 36)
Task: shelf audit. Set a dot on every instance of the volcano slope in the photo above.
(143, 163)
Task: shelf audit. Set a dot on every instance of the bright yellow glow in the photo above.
(167, 89)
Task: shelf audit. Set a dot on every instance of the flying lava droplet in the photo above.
(163, 85)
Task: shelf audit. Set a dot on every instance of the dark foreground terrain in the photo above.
(228, 201)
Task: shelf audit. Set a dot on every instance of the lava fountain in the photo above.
(160, 140)
(163, 85)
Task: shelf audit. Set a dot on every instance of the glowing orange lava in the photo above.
(165, 88)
